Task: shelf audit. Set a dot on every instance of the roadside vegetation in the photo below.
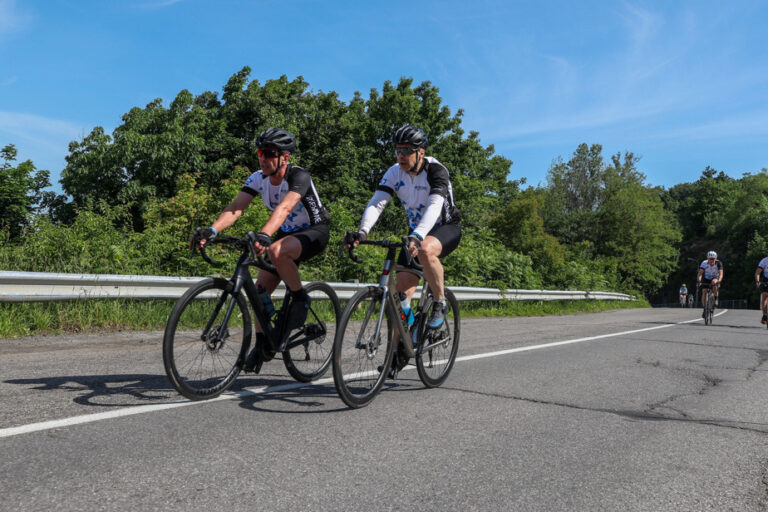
(132, 198)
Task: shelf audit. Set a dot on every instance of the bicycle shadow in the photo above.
(130, 390)
(106, 390)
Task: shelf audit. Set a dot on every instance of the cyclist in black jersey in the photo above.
(297, 229)
(423, 187)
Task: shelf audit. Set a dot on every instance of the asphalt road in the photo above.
(637, 412)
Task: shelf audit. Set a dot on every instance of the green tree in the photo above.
(21, 192)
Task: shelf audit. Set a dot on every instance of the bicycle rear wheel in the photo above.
(203, 350)
(363, 344)
(435, 357)
(311, 346)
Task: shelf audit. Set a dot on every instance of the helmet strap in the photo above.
(417, 166)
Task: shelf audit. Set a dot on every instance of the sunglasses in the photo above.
(405, 151)
(268, 153)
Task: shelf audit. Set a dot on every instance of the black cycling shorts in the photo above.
(449, 236)
(764, 286)
(313, 240)
(707, 283)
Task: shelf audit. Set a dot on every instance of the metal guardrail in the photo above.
(45, 286)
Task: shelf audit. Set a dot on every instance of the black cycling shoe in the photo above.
(254, 360)
(398, 363)
(298, 312)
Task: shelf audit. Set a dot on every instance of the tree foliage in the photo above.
(21, 193)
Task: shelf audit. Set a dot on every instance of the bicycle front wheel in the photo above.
(310, 348)
(435, 357)
(362, 350)
(206, 339)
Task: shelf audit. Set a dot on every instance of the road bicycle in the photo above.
(708, 303)
(374, 324)
(209, 330)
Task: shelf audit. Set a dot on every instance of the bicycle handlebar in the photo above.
(244, 244)
(388, 244)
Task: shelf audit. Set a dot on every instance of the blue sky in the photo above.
(683, 84)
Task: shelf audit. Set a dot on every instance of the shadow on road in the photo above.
(106, 390)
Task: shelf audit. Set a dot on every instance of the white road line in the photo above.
(142, 409)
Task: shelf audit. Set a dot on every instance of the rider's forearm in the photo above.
(226, 219)
(372, 212)
(276, 220)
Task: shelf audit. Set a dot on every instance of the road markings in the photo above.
(143, 409)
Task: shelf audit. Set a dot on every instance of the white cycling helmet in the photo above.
(711, 254)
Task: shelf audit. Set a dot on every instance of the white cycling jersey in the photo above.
(307, 212)
(427, 197)
(711, 271)
(764, 265)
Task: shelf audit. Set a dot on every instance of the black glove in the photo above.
(354, 236)
(198, 234)
(263, 239)
(415, 239)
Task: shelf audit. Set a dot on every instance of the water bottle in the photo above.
(406, 305)
(266, 300)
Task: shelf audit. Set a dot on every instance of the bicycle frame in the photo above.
(392, 303)
(242, 280)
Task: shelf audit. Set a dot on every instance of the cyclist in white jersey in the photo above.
(299, 223)
(762, 269)
(422, 185)
(711, 274)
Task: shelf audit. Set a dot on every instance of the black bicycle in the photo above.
(209, 330)
(708, 303)
(374, 323)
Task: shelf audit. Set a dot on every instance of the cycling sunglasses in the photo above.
(405, 151)
(268, 153)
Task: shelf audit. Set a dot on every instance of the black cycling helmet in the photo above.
(276, 137)
(409, 134)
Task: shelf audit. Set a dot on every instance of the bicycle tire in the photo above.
(197, 367)
(706, 308)
(310, 360)
(434, 365)
(356, 372)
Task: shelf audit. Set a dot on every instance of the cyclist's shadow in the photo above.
(300, 400)
(106, 390)
(317, 398)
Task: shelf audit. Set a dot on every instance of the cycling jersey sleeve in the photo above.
(298, 180)
(251, 185)
(375, 206)
(438, 179)
(431, 214)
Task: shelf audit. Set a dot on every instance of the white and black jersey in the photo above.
(307, 212)
(711, 271)
(427, 197)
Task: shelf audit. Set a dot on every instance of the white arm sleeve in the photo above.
(431, 214)
(375, 206)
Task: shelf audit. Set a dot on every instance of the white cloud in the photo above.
(52, 134)
(12, 19)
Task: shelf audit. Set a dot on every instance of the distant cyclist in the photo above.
(711, 275)
(683, 292)
(762, 285)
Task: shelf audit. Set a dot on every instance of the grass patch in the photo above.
(545, 307)
(42, 318)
